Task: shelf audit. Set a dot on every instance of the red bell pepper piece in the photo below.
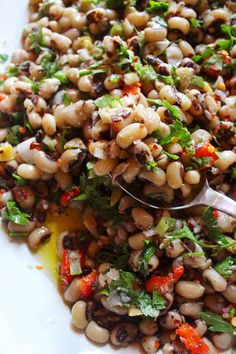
(65, 266)
(66, 197)
(212, 71)
(206, 150)
(85, 284)
(192, 341)
(133, 89)
(161, 283)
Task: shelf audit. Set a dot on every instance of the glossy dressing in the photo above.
(71, 220)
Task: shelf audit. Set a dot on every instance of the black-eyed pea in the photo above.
(174, 148)
(226, 159)
(211, 348)
(130, 133)
(189, 289)
(157, 177)
(97, 333)
(171, 320)
(155, 34)
(179, 23)
(230, 293)
(103, 167)
(201, 135)
(138, 19)
(223, 341)
(136, 242)
(163, 129)
(216, 280)
(215, 302)
(186, 49)
(150, 344)
(174, 173)
(165, 192)
(168, 93)
(103, 267)
(78, 315)
(123, 334)
(38, 236)
(192, 177)
(191, 309)
(132, 170)
(201, 327)
(148, 327)
(174, 55)
(29, 172)
(45, 164)
(142, 218)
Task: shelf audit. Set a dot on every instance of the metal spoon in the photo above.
(205, 196)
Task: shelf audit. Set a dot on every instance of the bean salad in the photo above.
(143, 92)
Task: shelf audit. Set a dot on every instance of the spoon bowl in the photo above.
(204, 195)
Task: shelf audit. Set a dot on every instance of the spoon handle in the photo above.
(218, 201)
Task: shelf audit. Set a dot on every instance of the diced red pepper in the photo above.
(206, 150)
(192, 341)
(86, 283)
(66, 197)
(133, 89)
(65, 266)
(161, 283)
(215, 213)
(212, 71)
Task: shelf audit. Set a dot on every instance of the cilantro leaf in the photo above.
(178, 133)
(184, 232)
(207, 52)
(197, 81)
(195, 23)
(147, 304)
(14, 135)
(3, 58)
(171, 156)
(214, 60)
(165, 224)
(156, 5)
(36, 40)
(14, 214)
(50, 65)
(214, 230)
(216, 323)
(19, 181)
(144, 258)
(13, 71)
(108, 101)
(173, 111)
(146, 73)
(200, 161)
(226, 267)
(66, 100)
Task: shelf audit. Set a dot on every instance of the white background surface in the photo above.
(33, 318)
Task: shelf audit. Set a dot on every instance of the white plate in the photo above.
(33, 318)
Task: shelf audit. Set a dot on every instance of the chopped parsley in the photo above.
(36, 40)
(108, 101)
(146, 73)
(216, 323)
(3, 58)
(147, 304)
(165, 224)
(226, 267)
(144, 258)
(173, 111)
(156, 5)
(14, 214)
(197, 81)
(178, 133)
(13, 71)
(19, 181)
(66, 100)
(207, 52)
(195, 23)
(230, 32)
